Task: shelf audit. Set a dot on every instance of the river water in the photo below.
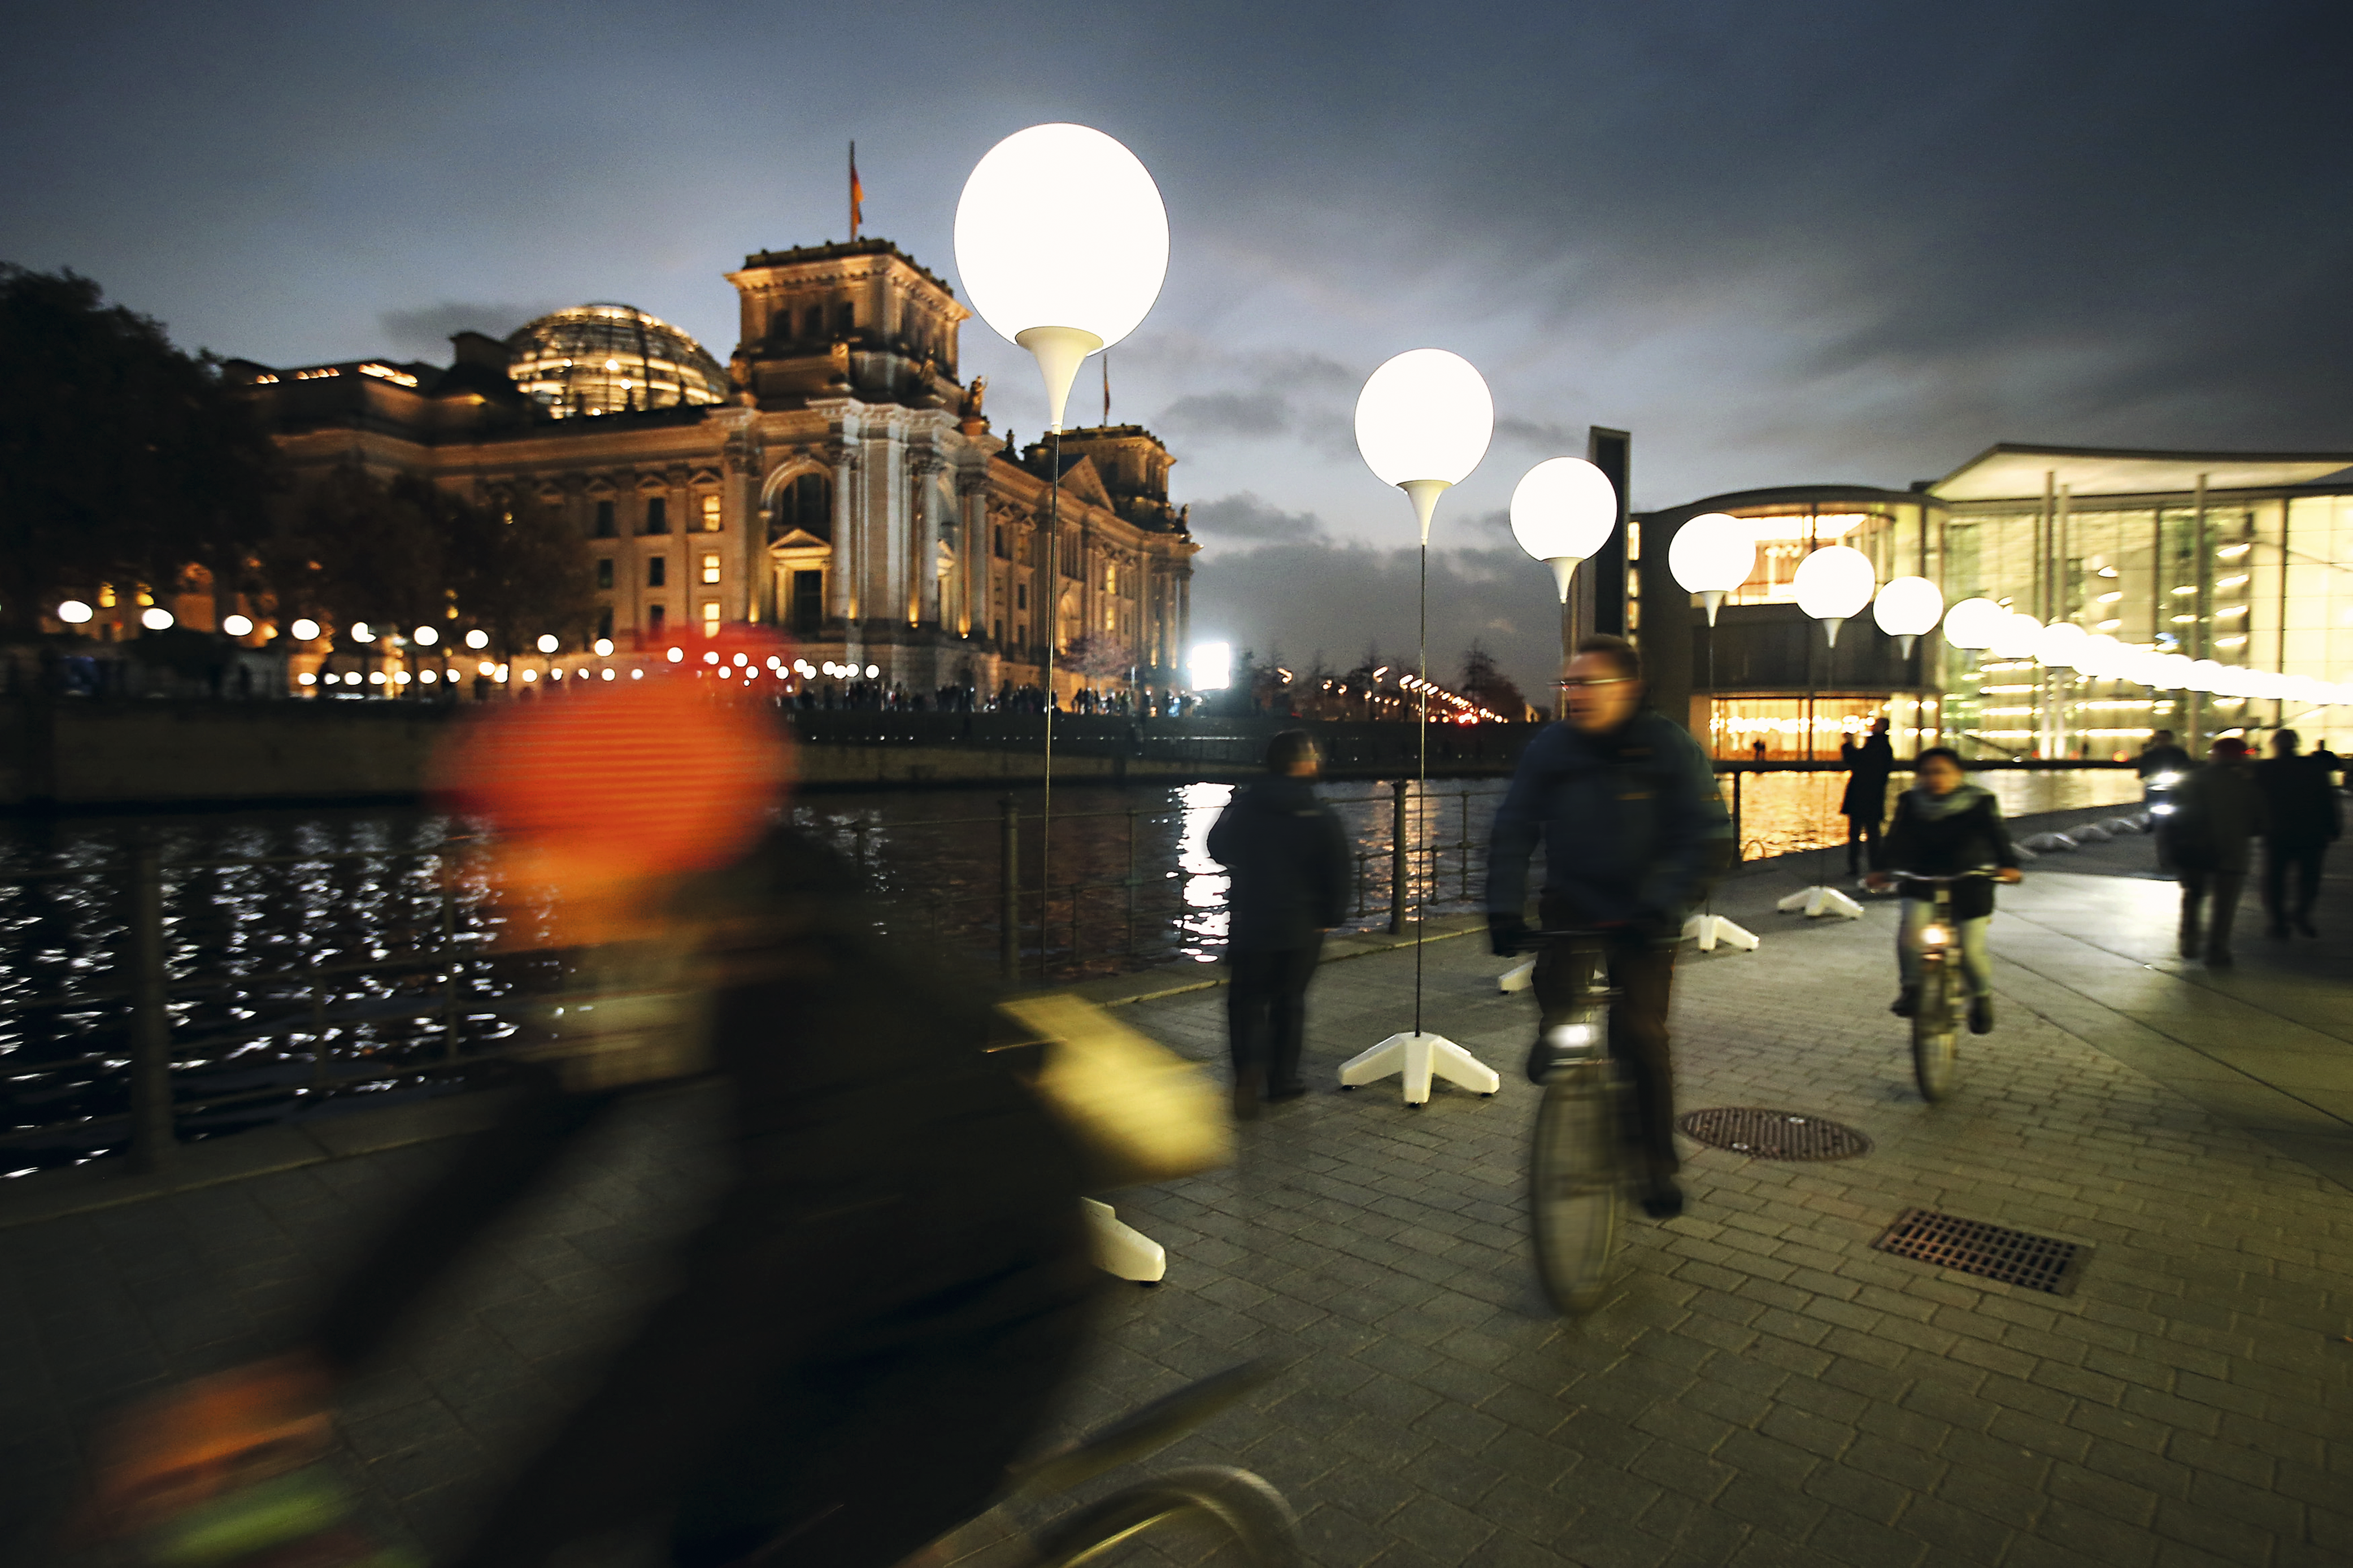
(321, 961)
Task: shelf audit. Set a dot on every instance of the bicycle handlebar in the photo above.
(1944, 882)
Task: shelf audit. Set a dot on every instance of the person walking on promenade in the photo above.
(1944, 826)
(1633, 831)
(2219, 811)
(1288, 857)
(1864, 805)
(2302, 817)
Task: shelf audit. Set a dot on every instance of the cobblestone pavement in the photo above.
(1763, 1388)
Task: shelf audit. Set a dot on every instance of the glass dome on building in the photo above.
(603, 358)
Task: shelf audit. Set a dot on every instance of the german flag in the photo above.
(857, 193)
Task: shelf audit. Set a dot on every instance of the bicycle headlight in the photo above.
(2164, 781)
(1935, 935)
(2161, 808)
(1572, 1036)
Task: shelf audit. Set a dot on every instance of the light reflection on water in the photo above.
(291, 944)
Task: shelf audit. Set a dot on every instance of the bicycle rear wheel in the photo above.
(1238, 1502)
(1573, 1182)
(1935, 1031)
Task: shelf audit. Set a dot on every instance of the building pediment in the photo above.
(798, 539)
(1082, 480)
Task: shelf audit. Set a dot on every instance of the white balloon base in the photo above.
(1816, 902)
(1517, 978)
(1122, 1250)
(1417, 1058)
(1708, 930)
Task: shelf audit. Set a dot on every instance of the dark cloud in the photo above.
(1247, 516)
(425, 333)
(1296, 597)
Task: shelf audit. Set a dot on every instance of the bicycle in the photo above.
(1241, 1503)
(1940, 1006)
(1577, 1169)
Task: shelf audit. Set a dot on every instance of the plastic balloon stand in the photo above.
(1817, 901)
(1517, 978)
(1122, 1250)
(1708, 930)
(1417, 1058)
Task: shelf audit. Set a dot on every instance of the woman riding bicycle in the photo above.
(1946, 826)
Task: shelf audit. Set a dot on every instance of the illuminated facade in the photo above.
(2243, 559)
(835, 480)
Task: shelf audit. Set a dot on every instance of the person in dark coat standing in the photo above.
(1864, 805)
(2302, 817)
(2218, 813)
(1288, 857)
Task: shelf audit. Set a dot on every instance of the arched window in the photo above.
(807, 504)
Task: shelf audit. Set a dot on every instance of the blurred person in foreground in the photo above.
(871, 1321)
(1633, 831)
(2218, 814)
(2302, 817)
(1944, 826)
(1869, 766)
(1289, 859)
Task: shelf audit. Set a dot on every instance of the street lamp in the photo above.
(1562, 511)
(1423, 421)
(1833, 585)
(1712, 555)
(1906, 608)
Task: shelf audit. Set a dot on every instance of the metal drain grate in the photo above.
(1773, 1134)
(1989, 1251)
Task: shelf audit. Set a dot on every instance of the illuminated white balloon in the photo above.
(1062, 289)
(478, 639)
(547, 643)
(155, 618)
(238, 625)
(73, 612)
(1712, 555)
(303, 630)
(1974, 623)
(1562, 511)
(1423, 421)
(2016, 636)
(2058, 645)
(424, 637)
(1833, 583)
(1907, 607)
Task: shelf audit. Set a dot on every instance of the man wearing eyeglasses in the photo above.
(1633, 830)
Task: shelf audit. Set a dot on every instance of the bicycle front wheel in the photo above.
(1935, 1031)
(1573, 1181)
(1236, 1502)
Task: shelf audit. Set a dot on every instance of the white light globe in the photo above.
(155, 618)
(2102, 657)
(1974, 623)
(1909, 606)
(424, 637)
(2202, 675)
(872, 670)
(2058, 645)
(546, 643)
(1562, 511)
(603, 647)
(1834, 583)
(1062, 289)
(1425, 416)
(2016, 636)
(303, 630)
(359, 632)
(478, 639)
(1211, 666)
(238, 625)
(73, 612)
(1713, 553)
(675, 655)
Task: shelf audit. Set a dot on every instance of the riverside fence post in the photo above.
(153, 1137)
(1009, 888)
(1397, 856)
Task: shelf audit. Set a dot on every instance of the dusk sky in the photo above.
(1780, 243)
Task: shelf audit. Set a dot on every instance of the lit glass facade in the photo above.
(612, 359)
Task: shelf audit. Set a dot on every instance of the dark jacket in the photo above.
(1963, 839)
(1868, 768)
(1289, 858)
(2162, 760)
(1633, 828)
(2300, 804)
(2218, 812)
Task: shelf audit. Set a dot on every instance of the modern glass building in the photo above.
(2245, 560)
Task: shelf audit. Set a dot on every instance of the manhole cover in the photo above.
(1988, 1251)
(1774, 1134)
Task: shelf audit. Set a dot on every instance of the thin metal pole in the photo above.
(449, 975)
(1053, 631)
(1131, 858)
(1397, 856)
(1009, 890)
(1738, 773)
(153, 1135)
(1420, 926)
